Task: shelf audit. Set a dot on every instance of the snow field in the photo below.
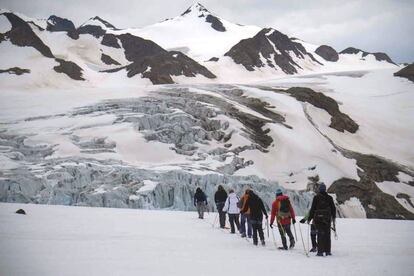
(59, 240)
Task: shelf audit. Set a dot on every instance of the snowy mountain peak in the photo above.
(196, 9)
(98, 21)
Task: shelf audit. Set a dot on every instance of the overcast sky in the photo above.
(371, 25)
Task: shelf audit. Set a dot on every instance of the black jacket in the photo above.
(200, 196)
(322, 201)
(220, 196)
(256, 206)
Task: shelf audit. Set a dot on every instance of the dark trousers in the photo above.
(234, 218)
(245, 219)
(222, 215)
(257, 228)
(324, 238)
(313, 233)
(283, 230)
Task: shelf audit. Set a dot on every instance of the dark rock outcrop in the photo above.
(406, 197)
(216, 24)
(376, 203)
(110, 40)
(2, 37)
(378, 56)
(15, 71)
(406, 72)
(108, 60)
(339, 120)
(159, 68)
(22, 35)
(58, 24)
(248, 52)
(136, 48)
(96, 31)
(327, 53)
(157, 64)
(21, 212)
(69, 68)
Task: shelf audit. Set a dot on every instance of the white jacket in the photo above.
(231, 204)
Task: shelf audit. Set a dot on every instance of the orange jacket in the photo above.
(275, 210)
(244, 198)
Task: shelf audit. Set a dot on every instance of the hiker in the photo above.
(220, 198)
(313, 232)
(200, 201)
(230, 206)
(283, 212)
(323, 212)
(257, 210)
(245, 217)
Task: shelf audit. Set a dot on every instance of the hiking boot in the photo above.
(313, 249)
(263, 242)
(328, 254)
(292, 244)
(320, 254)
(282, 248)
(243, 235)
(255, 243)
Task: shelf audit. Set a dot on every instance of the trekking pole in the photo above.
(267, 227)
(303, 242)
(334, 229)
(273, 237)
(308, 236)
(294, 228)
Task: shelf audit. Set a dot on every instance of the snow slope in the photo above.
(58, 240)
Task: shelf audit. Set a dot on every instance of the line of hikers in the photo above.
(251, 209)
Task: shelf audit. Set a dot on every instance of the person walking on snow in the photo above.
(257, 210)
(245, 217)
(200, 201)
(220, 198)
(323, 212)
(230, 206)
(313, 232)
(283, 212)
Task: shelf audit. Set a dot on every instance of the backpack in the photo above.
(322, 215)
(284, 208)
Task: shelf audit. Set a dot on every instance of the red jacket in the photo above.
(275, 210)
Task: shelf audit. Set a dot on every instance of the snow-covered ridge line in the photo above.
(206, 41)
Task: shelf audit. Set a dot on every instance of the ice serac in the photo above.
(407, 72)
(270, 48)
(327, 52)
(379, 56)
